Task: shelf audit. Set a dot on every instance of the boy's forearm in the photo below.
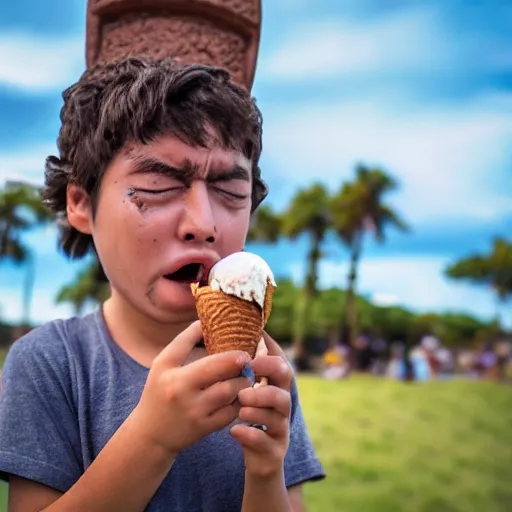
(269, 494)
(124, 476)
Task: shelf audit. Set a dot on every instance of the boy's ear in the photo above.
(78, 209)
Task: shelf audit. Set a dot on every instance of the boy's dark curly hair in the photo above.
(135, 100)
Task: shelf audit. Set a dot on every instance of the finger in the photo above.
(223, 393)
(276, 424)
(252, 438)
(223, 417)
(270, 397)
(263, 381)
(275, 368)
(215, 368)
(176, 353)
(261, 351)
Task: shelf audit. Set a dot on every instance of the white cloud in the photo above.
(384, 299)
(443, 156)
(408, 40)
(447, 157)
(415, 282)
(413, 41)
(33, 63)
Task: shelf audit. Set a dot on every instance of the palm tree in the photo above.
(266, 225)
(89, 286)
(21, 209)
(356, 209)
(307, 214)
(493, 269)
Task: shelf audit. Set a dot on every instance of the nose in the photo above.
(197, 223)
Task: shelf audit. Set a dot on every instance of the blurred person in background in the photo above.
(430, 345)
(336, 363)
(486, 362)
(363, 353)
(421, 364)
(380, 356)
(446, 362)
(504, 355)
(396, 366)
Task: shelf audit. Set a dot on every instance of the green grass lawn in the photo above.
(387, 446)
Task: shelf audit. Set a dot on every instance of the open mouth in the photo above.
(191, 273)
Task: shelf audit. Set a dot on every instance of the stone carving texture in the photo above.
(244, 8)
(188, 38)
(223, 33)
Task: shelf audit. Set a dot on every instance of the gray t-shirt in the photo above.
(67, 387)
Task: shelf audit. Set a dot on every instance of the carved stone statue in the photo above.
(224, 33)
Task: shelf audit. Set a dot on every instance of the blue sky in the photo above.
(422, 89)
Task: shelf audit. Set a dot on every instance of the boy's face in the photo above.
(162, 206)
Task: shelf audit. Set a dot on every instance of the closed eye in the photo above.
(157, 191)
(232, 195)
(227, 193)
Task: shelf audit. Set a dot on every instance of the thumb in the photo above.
(178, 350)
(262, 349)
(274, 349)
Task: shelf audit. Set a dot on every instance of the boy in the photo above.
(123, 409)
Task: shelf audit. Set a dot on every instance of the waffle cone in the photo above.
(231, 323)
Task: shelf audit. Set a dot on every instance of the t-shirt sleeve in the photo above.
(39, 437)
(301, 462)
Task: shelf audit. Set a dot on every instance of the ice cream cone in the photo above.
(267, 301)
(229, 322)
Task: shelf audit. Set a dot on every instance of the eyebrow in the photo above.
(237, 172)
(149, 165)
(187, 170)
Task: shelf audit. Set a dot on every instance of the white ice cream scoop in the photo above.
(242, 274)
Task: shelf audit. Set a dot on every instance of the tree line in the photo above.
(303, 316)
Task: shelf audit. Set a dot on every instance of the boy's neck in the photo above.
(140, 337)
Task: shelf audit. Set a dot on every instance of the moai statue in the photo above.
(224, 33)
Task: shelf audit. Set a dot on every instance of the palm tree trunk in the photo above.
(306, 299)
(408, 366)
(299, 328)
(497, 308)
(350, 316)
(333, 337)
(4, 238)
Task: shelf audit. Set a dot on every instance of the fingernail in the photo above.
(248, 373)
(262, 348)
(244, 359)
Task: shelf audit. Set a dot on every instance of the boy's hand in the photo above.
(182, 404)
(268, 404)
